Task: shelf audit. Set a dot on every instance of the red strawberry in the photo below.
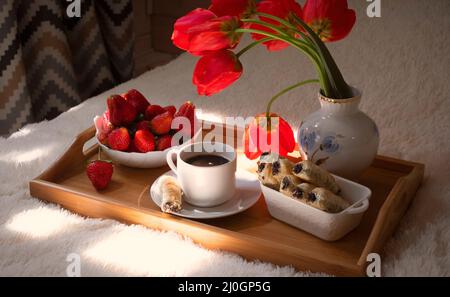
(99, 173)
(132, 148)
(104, 127)
(143, 125)
(121, 112)
(164, 142)
(152, 111)
(106, 123)
(161, 124)
(187, 110)
(171, 109)
(103, 138)
(144, 141)
(119, 139)
(136, 99)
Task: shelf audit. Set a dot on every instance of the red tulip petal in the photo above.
(180, 37)
(220, 82)
(332, 20)
(239, 8)
(281, 9)
(343, 26)
(213, 35)
(209, 41)
(256, 134)
(216, 71)
(286, 136)
(250, 149)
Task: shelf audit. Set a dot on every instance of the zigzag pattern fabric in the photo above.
(50, 62)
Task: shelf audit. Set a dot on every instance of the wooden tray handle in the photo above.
(73, 156)
(84, 137)
(392, 211)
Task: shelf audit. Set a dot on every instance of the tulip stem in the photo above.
(337, 87)
(251, 45)
(305, 46)
(274, 98)
(277, 30)
(275, 18)
(324, 82)
(340, 88)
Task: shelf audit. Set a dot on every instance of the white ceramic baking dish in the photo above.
(324, 225)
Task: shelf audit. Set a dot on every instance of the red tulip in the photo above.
(215, 71)
(238, 8)
(180, 36)
(332, 20)
(281, 9)
(268, 135)
(215, 34)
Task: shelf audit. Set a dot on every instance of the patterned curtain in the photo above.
(50, 62)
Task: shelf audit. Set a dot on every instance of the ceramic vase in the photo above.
(339, 136)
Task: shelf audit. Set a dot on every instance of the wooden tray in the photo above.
(254, 234)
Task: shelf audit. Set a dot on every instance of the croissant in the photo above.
(310, 172)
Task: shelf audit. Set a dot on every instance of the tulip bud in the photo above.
(180, 36)
(278, 8)
(215, 34)
(238, 8)
(271, 134)
(215, 71)
(332, 20)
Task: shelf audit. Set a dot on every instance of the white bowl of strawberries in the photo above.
(135, 133)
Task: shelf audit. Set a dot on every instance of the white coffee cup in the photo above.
(205, 186)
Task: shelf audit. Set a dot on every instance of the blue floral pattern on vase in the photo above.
(329, 144)
(319, 148)
(307, 140)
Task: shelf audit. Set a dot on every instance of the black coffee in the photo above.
(207, 160)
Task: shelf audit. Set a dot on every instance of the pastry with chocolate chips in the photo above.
(316, 175)
(282, 168)
(290, 188)
(272, 169)
(265, 175)
(327, 201)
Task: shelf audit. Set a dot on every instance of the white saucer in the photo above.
(248, 192)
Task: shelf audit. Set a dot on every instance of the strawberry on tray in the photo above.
(99, 173)
(135, 133)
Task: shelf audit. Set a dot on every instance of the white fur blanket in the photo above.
(401, 63)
